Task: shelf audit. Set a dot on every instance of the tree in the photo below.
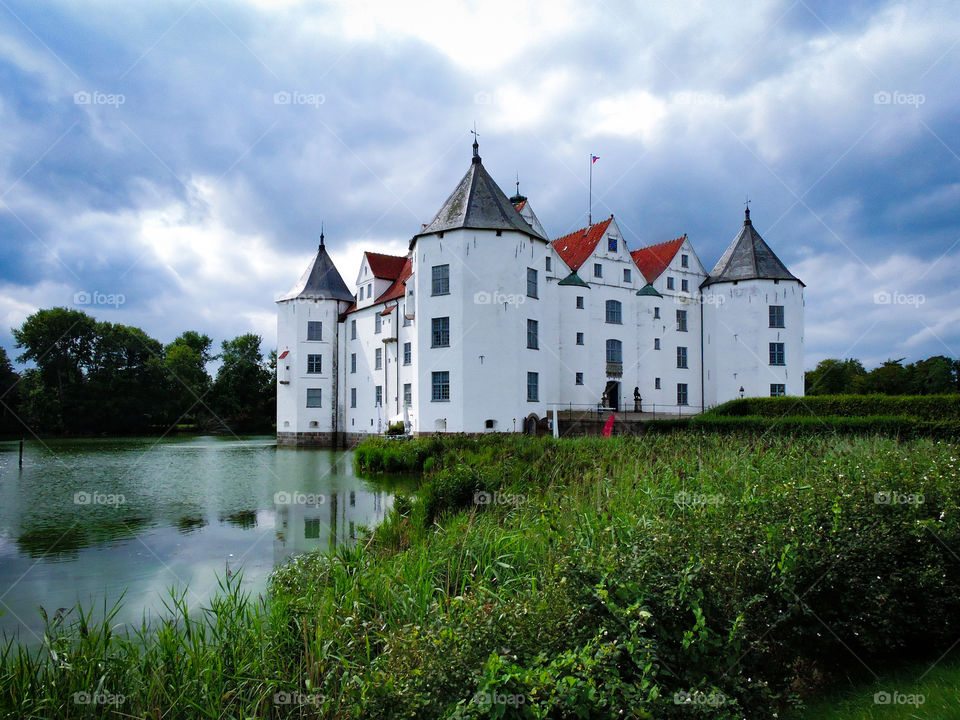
(932, 376)
(9, 396)
(185, 361)
(835, 377)
(891, 378)
(242, 392)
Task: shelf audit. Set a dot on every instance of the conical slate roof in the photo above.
(320, 281)
(749, 258)
(478, 203)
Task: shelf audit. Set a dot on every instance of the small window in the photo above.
(579, 378)
(440, 386)
(614, 351)
(353, 397)
(369, 291)
(614, 313)
(489, 424)
(533, 331)
(656, 343)
(378, 395)
(440, 334)
(612, 244)
(669, 283)
(681, 320)
(597, 270)
(314, 330)
(531, 283)
(407, 394)
(776, 316)
(627, 275)
(656, 383)
(377, 323)
(579, 338)
(353, 362)
(778, 389)
(314, 363)
(681, 357)
(685, 286)
(685, 261)
(533, 387)
(682, 394)
(407, 353)
(548, 263)
(378, 359)
(440, 280)
(579, 302)
(777, 354)
(656, 313)
(313, 397)
(353, 329)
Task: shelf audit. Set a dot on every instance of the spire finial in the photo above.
(746, 212)
(476, 145)
(518, 183)
(321, 233)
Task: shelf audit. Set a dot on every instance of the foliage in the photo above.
(10, 396)
(920, 407)
(933, 376)
(243, 389)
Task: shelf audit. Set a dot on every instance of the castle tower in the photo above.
(753, 323)
(308, 351)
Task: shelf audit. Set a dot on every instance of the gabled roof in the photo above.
(385, 267)
(398, 288)
(526, 212)
(478, 203)
(748, 258)
(653, 259)
(576, 247)
(320, 281)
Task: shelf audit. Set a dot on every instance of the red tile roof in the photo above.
(398, 288)
(385, 267)
(519, 206)
(576, 247)
(653, 260)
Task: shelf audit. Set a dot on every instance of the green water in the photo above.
(88, 520)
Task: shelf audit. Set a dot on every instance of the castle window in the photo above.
(685, 286)
(614, 351)
(597, 270)
(531, 283)
(579, 302)
(656, 313)
(548, 263)
(778, 389)
(353, 362)
(682, 394)
(685, 261)
(378, 395)
(656, 383)
(440, 386)
(441, 280)
(377, 323)
(440, 335)
(612, 244)
(777, 354)
(614, 312)
(353, 397)
(353, 329)
(669, 283)
(776, 316)
(681, 320)
(313, 397)
(407, 394)
(533, 387)
(579, 338)
(407, 353)
(314, 363)
(533, 333)
(579, 378)
(681, 357)
(627, 275)
(378, 359)
(314, 330)
(656, 343)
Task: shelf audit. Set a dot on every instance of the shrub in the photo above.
(921, 407)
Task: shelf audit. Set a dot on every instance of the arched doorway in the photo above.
(530, 425)
(611, 395)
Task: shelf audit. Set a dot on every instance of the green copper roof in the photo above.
(573, 279)
(649, 290)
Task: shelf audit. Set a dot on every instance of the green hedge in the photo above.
(921, 407)
(889, 426)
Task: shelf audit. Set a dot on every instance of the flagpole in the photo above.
(590, 205)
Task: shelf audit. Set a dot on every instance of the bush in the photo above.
(921, 407)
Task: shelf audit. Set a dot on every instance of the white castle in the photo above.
(487, 325)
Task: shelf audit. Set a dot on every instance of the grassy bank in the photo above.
(663, 577)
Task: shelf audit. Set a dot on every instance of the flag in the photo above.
(608, 426)
(594, 157)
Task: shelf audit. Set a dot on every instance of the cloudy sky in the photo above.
(146, 151)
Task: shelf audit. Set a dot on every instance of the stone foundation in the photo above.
(318, 439)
